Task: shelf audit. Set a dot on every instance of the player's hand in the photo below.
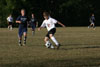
(39, 29)
(20, 22)
(64, 26)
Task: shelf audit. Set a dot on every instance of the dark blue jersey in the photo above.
(92, 19)
(33, 21)
(24, 20)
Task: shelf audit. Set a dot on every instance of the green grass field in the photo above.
(80, 48)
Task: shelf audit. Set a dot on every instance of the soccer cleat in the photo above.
(24, 43)
(88, 26)
(52, 47)
(20, 44)
(58, 46)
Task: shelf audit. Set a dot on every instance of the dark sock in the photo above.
(25, 39)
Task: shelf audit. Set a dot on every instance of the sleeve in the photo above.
(54, 21)
(7, 18)
(43, 24)
(18, 19)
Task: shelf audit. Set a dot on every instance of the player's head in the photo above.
(46, 15)
(10, 15)
(92, 14)
(23, 12)
(32, 15)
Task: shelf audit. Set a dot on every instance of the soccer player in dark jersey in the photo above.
(92, 21)
(33, 24)
(23, 21)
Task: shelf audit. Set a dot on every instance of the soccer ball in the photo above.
(48, 45)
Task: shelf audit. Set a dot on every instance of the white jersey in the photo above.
(49, 24)
(10, 19)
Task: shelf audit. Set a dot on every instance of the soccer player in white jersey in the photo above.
(49, 23)
(10, 21)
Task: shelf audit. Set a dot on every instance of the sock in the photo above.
(33, 32)
(47, 42)
(8, 27)
(88, 26)
(54, 40)
(20, 41)
(25, 39)
(11, 28)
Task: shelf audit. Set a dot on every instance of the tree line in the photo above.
(69, 12)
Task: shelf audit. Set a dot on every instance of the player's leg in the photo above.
(93, 26)
(8, 25)
(51, 35)
(20, 33)
(33, 29)
(11, 26)
(20, 40)
(90, 25)
(25, 36)
(54, 40)
(46, 39)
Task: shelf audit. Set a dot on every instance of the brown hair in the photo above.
(46, 13)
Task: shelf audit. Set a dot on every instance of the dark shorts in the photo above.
(9, 23)
(21, 31)
(33, 26)
(52, 31)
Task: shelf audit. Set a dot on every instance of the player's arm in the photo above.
(42, 26)
(7, 20)
(61, 24)
(37, 24)
(17, 21)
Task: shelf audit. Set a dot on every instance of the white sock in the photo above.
(54, 40)
(8, 27)
(11, 28)
(47, 42)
